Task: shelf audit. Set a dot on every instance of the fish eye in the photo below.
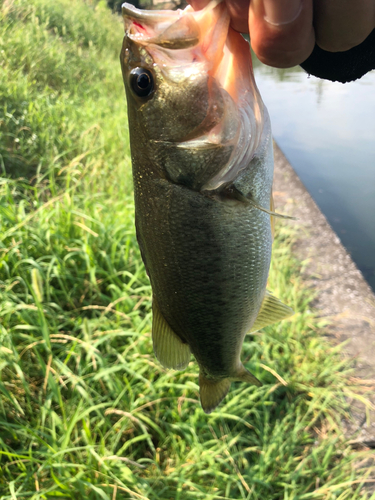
(142, 81)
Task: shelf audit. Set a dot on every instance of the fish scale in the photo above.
(202, 260)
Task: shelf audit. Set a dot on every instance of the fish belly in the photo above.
(208, 263)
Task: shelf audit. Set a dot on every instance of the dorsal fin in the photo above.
(271, 311)
(168, 347)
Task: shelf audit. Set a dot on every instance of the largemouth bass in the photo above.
(202, 159)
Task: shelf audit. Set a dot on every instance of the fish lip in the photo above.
(199, 144)
(198, 140)
(128, 10)
(159, 21)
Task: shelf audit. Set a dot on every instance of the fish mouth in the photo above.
(149, 16)
(167, 28)
(190, 38)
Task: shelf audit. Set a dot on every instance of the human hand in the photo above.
(284, 32)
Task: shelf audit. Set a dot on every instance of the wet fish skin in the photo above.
(206, 249)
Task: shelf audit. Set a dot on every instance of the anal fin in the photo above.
(243, 375)
(169, 349)
(271, 311)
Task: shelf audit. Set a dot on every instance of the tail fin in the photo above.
(212, 391)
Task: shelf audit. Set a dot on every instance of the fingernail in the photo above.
(279, 12)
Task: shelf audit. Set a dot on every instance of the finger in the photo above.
(198, 4)
(342, 24)
(238, 11)
(281, 31)
(239, 14)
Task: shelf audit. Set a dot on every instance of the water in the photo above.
(327, 132)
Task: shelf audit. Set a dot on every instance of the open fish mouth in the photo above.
(187, 43)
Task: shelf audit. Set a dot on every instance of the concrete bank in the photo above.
(343, 294)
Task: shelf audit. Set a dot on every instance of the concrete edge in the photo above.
(343, 294)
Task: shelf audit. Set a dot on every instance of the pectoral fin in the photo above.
(168, 347)
(270, 212)
(271, 311)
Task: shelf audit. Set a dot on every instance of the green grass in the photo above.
(86, 412)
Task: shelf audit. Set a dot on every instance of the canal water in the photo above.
(326, 130)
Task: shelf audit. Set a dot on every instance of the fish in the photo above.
(202, 162)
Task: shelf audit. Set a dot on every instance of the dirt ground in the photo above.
(343, 294)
